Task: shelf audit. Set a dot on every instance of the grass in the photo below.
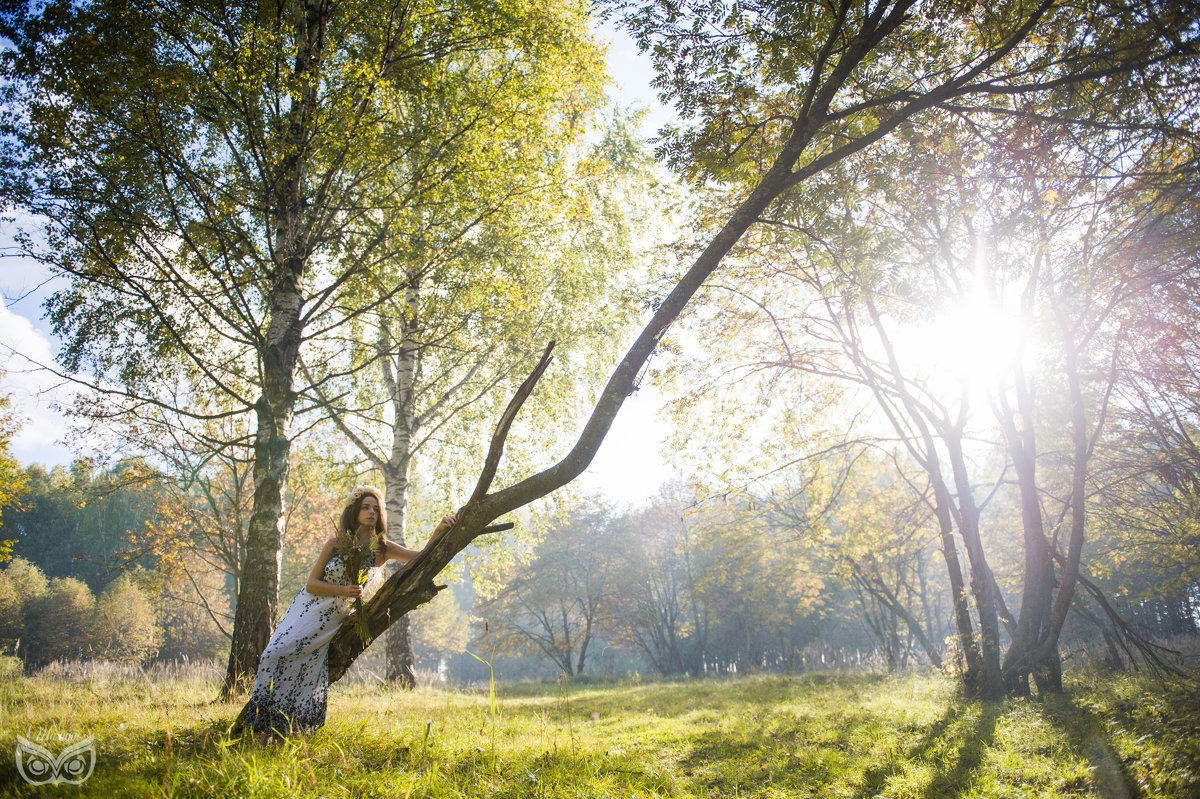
(815, 735)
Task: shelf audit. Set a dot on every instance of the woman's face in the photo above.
(368, 512)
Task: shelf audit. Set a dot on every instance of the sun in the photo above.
(982, 339)
(975, 341)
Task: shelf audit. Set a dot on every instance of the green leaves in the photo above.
(749, 80)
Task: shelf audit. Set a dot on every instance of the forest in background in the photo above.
(115, 565)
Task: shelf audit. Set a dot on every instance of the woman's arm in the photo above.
(393, 551)
(318, 587)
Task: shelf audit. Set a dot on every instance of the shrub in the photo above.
(124, 628)
(21, 583)
(10, 667)
(59, 623)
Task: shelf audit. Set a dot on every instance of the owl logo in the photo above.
(73, 765)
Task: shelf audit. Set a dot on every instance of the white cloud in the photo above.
(33, 390)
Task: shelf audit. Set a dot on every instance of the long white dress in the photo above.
(291, 687)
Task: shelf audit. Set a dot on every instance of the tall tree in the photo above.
(482, 287)
(211, 178)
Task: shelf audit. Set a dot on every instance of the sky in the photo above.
(26, 345)
(628, 468)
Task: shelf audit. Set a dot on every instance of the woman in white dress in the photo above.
(291, 687)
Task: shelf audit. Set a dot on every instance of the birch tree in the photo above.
(546, 258)
(208, 178)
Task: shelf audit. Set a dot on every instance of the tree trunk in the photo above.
(258, 593)
(1039, 567)
(401, 387)
(920, 442)
(1045, 660)
(258, 596)
(583, 648)
(401, 663)
(983, 582)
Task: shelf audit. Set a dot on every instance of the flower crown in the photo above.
(358, 492)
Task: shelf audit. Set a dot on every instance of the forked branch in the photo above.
(496, 450)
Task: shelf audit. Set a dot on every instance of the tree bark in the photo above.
(401, 662)
(258, 592)
(1044, 660)
(1039, 567)
(258, 595)
(983, 582)
(401, 385)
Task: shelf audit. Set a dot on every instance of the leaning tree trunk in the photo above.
(258, 595)
(416, 584)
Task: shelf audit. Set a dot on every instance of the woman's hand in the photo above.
(445, 524)
(353, 591)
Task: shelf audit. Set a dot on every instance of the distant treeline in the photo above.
(726, 584)
(125, 563)
(107, 565)
(85, 580)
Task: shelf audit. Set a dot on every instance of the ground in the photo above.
(821, 735)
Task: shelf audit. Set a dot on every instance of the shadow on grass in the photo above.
(790, 754)
(955, 776)
(674, 698)
(1084, 734)
(973, 741)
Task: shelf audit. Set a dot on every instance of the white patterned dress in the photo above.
(291, 688)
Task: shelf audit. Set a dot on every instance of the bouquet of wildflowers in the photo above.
(357, 559)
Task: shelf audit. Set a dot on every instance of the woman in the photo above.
(291, 688)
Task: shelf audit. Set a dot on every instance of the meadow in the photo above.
(159, 733)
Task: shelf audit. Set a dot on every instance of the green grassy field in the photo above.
(814, 735)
